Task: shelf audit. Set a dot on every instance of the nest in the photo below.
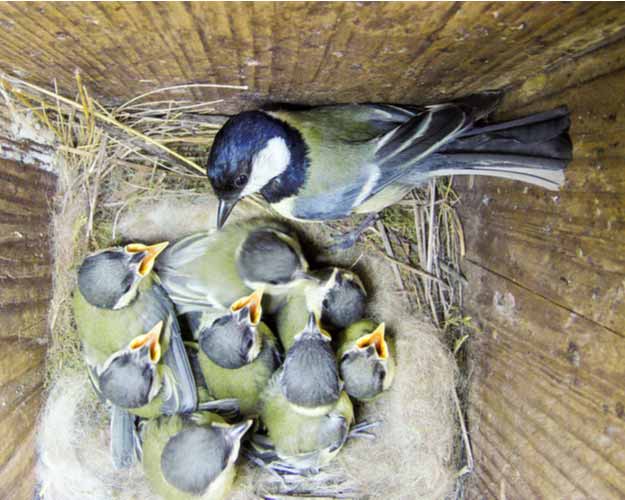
(133, 173)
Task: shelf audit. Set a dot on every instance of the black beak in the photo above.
(223, 211)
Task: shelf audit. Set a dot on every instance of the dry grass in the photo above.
(118, 167)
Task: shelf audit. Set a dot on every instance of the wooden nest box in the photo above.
(545, 270)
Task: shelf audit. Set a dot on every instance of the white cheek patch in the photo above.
(268, 163)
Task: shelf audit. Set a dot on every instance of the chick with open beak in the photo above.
(365, 361)
(118, 300)
(237, 352)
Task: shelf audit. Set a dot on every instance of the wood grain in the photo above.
(25, 287)
(304, 52)
(545, 269)
(546, 275)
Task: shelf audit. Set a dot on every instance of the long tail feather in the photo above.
(547, 179)
(559, 112)
(534, 149)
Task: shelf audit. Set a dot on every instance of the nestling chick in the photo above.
(237, 352)
(329, 162)
(211, 270)
(131, 378)
(191, 457)
(365, 362)
(305, 441)
(337, 296)
(309, 378)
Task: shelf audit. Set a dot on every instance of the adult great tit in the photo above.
(366, 364)
(188, 457)
(210, 270)
(332, 161)
(237, 353)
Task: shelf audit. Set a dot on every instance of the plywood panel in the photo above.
(547, 280)
(304, 52)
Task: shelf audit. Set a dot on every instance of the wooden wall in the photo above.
(545, 269)
(309, 52)
(547, 282)
(25, 285)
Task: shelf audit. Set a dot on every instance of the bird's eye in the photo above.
(127, 284)
(247, 344)
(240, 181)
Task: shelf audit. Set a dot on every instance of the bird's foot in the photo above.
(360, 430)
(348, 240)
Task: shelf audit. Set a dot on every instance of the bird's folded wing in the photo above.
(184, 251)
(184, 395)
(227, 408)
(420, 136)
(125, 446)
(186, 294)
(396, 156)
(93, 379)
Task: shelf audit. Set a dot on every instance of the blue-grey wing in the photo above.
(403, 137)
(419, 137)
(125, 444)
(184, 396)
(184, 250)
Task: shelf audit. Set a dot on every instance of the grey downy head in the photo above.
(271, 257)
(344, 299)
(130, 378)
(195, 457)
(364, 368)
(233, 340)
(310, 376)
(109, 279)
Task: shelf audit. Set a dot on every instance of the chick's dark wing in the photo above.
(125, 443)
(184, 395)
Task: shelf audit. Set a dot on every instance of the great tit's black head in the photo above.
(130, 379)
(195, 457)
(364, 368)
(109, 279)
(233, 340)
(247, 153)
(269, 256)
(344, 300)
